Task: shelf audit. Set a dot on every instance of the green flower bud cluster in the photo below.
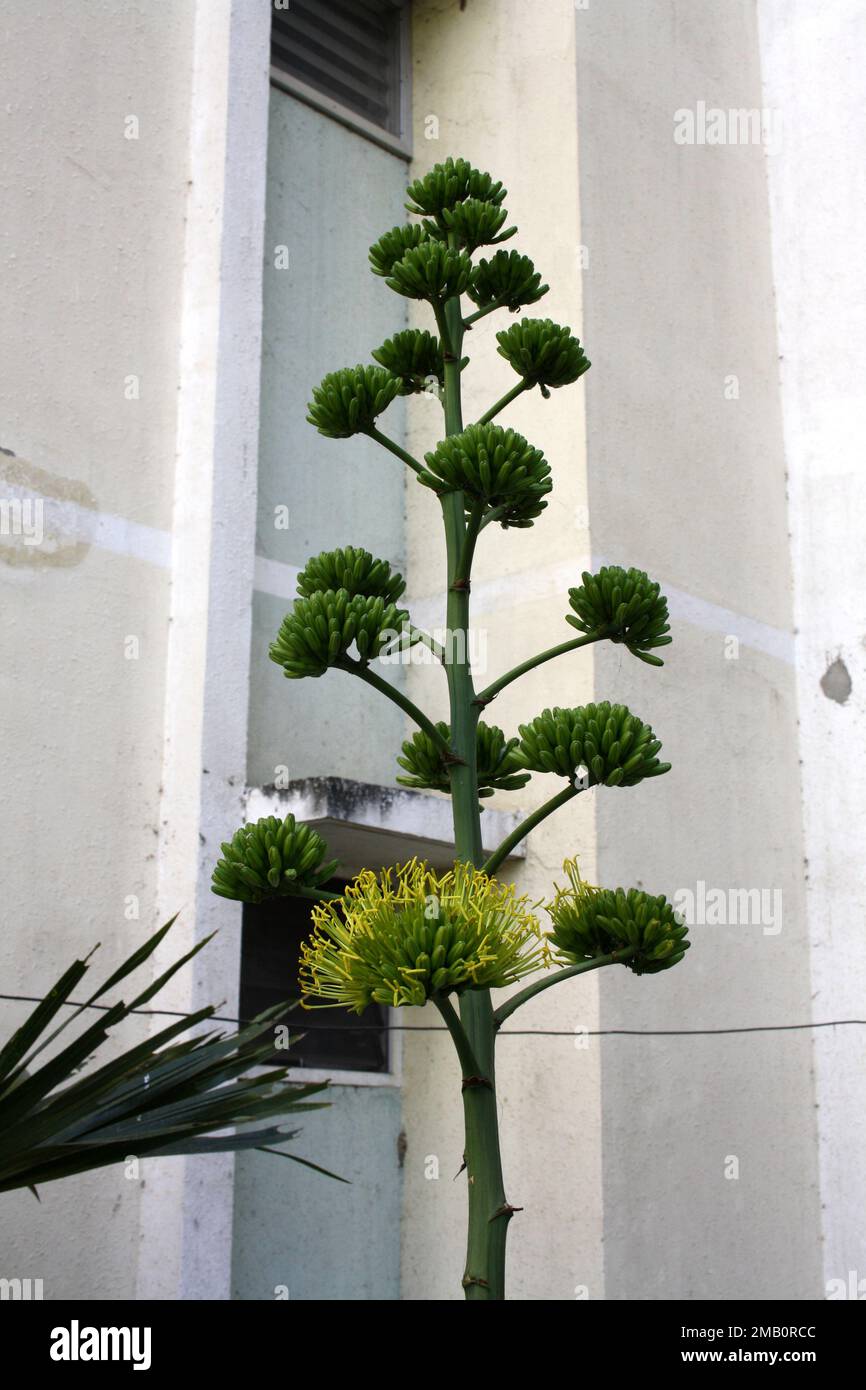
(319, 630)
(508, 279)
(497, 766)
(590, 922)
(605, 743)
(473, 224)
(543, 353)
(493, 466)
(414, 356)
(271, 858)
(356, 571)
(431, 271)
(450, 183)
(623, 606)
(427, 957)
(347, 402)
(392, 246)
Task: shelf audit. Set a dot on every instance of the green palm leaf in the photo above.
(162, 1097)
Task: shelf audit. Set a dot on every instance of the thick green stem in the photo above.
(319, 895)
(495, 686)
(482, 313)
(464, 711)
(395, 449)
(412, 636)
(464, 714)
(509, 396)
(444, 323)
(358, 668)
(419, 635)
(503, 850)
(489, 1213)
(507, 1009)
(468, 1061)
(467, 550)
(495, 514)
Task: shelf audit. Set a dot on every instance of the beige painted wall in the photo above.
(92, 234)
(573, 108)
(623, 1148)
(687, 480)
(811, 74)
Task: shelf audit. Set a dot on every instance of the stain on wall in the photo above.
(836, 681)
(39, 515)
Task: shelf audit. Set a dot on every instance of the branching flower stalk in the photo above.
(410, 936)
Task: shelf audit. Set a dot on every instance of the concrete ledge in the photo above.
(369, 826)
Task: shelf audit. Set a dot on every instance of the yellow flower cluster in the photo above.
(407, 934)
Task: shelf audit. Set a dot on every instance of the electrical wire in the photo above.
(504, 1033)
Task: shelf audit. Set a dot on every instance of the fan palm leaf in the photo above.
(167, 1095)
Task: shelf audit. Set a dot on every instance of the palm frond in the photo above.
(164, 1096)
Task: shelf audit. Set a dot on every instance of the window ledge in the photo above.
(365, 824)
(326, 106)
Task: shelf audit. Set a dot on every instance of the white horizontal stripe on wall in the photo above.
(117, 534)
(121, 536)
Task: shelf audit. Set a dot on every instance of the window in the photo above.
(349, 59)
(270, 952)
(363, 825)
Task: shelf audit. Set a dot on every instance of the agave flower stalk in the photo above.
(414, 937)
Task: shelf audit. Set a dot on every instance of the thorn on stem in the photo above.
(506, 1210)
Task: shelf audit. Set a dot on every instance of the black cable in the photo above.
(505, 1033)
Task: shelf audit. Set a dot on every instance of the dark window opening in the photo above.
(270, 954)
(349, 50)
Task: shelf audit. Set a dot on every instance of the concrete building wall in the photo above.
(811, 69)
(94, 168)
(301, 1236)
(687, 481)
(684, 476)
(723, 408)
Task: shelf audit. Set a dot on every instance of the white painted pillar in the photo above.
(186, 1213)
(812, 74)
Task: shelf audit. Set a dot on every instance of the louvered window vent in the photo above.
(348, 51)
